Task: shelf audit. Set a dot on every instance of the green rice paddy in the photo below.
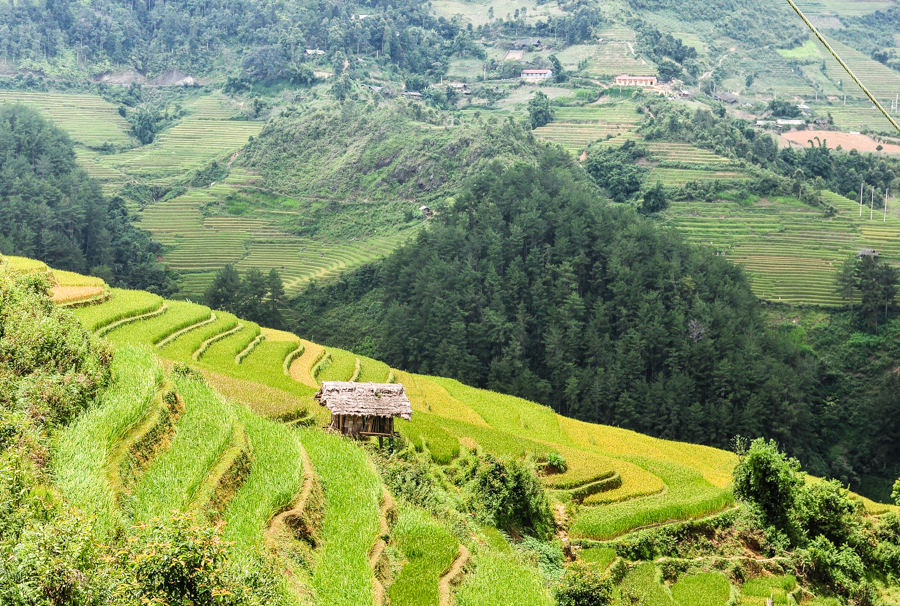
(791, 251)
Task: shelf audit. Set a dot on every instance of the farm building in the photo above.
(635, 80)
(364, 409)
(867, 252)
(537, 74)
(527, 44)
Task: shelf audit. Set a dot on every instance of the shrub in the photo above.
(825, 509)
(508, 495)
(584, 585)
(49, 365)
(557, 462)
(767, 479)
(177, 563)
(840, 568)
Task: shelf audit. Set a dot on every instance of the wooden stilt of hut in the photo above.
(364, 409)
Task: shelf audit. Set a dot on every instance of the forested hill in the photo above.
(394, 150)
(50, 209)
(529, 286)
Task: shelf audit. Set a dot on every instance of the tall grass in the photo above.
(340, 368)
(689, 495)
(79, 461)
(353, 491)
(203, 432)
(429, 549)
(123, 304)
(184, 346)
(503, 579)
(151, 331)
(702, 589)
(220, 355)
(644, 583)
(275, 477)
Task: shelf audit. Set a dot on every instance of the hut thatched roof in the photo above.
(365, 399)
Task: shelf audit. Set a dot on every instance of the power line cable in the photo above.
(844, 65)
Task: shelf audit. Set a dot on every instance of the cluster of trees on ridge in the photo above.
(52, 210)
(254, 296)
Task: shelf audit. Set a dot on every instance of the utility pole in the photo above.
(885, 207)
(872, 208)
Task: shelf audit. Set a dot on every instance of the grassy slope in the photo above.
(661, 480)
(203, 433)
(352, 488)
(84, 447)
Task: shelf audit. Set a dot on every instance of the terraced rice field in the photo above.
(856, 117)
(615, 56)
(574, 128)
(683, 152)
(791, 252)
(882, 81)
(840, 7)
(198, 246)
(300, 260)
(203, 135)
(679, 176)
(778, 78)
(78, 115)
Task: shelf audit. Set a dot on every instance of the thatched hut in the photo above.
(364, 409)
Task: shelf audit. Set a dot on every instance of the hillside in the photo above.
(204, 447)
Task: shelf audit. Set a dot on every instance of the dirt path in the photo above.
(453, 575)
(719, 64)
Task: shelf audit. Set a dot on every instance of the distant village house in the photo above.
(364, 409)
(527, 44)
(537, 75)
(635, 80)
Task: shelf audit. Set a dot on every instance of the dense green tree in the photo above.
(539, 112)
(874, 279)
(255, 296)
(276, 300)
(614, 169)
(766, 478)
(559, 72)
(654, 200)
(223, 292)
(251, 297)
(195, 37)
(784, 109)
(668, 70)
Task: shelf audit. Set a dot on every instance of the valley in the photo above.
(613, 284)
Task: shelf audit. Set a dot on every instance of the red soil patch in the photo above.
(832, 139)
